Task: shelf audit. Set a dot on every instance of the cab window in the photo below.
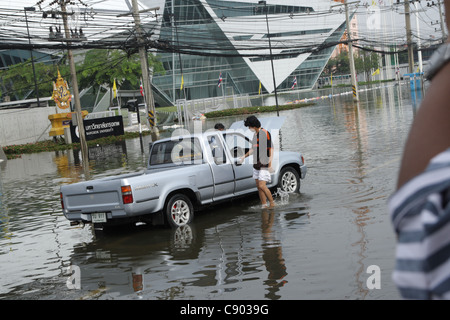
(183, 151)
(216, 149)
(238, 144)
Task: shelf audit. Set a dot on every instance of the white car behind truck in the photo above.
(184, 173)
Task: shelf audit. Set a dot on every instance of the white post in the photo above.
(419, 52)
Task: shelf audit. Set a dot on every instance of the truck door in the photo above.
(221, 168)
(238, 145)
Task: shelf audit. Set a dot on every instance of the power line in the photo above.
(120, 34)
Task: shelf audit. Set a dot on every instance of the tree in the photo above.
(338, 65)
(364, 62)
(101, 67)
(18, 80)
(367, 62)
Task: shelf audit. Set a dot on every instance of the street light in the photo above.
(31, 53)
(263, 3)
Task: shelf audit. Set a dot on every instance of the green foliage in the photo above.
(367, 62)
(22, 78)
(364, 62)
(338, 65)
(15, 151)
(99, 67)
(252, 110)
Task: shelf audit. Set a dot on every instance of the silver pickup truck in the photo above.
(184, 173)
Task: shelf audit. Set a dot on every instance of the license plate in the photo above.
(98, 217)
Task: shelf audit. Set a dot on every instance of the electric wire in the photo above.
(105, 30)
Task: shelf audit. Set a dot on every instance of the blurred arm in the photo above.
(430, 131)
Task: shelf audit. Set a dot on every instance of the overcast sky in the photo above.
(387, 22)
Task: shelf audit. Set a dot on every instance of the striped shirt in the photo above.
(420, 213)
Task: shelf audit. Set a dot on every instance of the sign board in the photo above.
(99, 128)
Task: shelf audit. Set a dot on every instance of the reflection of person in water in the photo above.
(272, 256)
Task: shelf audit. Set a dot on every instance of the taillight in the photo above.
(303, 160)
(127, 195)
(62, 202)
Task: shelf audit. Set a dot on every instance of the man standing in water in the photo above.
(262, 161)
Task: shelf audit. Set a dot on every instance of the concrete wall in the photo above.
(20, 126)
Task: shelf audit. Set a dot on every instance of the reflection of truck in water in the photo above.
(184, 173)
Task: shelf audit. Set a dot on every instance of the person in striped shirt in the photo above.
(420, 207)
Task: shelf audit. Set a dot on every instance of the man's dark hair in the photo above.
(219, 126)
(252, 121)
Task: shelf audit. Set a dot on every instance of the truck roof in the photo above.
(268, 123)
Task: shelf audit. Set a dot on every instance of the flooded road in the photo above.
(317, 245)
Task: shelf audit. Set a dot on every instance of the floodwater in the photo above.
(317, 245)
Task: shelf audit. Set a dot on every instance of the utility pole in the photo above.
(31, 54)
(264, 4)
(172, 19)
(76, 95)
(148, 94)
(408, 38)
(350, 56)
(444, 36)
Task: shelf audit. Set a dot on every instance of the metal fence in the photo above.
(190, 110)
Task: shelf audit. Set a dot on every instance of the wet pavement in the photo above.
(318, 244)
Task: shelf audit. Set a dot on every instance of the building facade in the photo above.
(342, 47)
(226, 47)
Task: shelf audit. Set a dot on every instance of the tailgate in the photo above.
(92, 196)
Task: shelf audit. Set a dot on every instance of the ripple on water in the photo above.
(314, 246)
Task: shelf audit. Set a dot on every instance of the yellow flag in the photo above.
(376, 72)
(182, 83)
(259, 90)
(115, 89)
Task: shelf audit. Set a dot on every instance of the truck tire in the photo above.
(289, 180)
(179, 210)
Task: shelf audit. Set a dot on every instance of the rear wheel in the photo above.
(289, 180)
(179, 210)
